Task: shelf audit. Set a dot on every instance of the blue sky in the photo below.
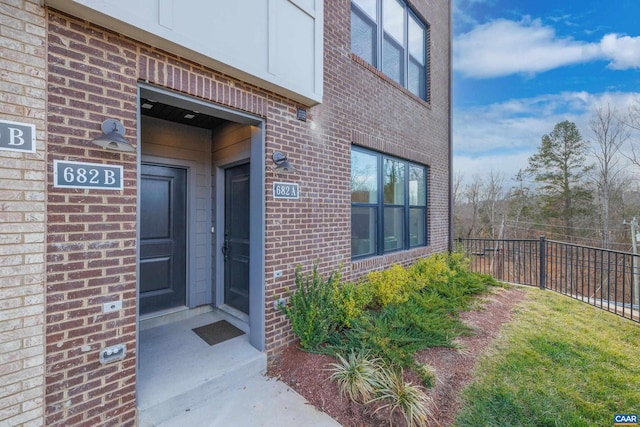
(521, 66)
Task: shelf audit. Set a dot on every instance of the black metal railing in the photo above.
(604, 278)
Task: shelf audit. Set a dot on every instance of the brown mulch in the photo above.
(307, 373)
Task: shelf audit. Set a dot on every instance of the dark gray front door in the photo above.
(163, 238)
(236, 238)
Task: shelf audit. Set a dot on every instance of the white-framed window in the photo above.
(389, 35)
(388, 203)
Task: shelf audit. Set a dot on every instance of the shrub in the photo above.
(431, 271)
(379, 335)
(390, 286)
(385, 320)
(426, 373)
(351, 301)
(357, 376)
(311, 309)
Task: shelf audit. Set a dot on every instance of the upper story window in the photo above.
(389, 36)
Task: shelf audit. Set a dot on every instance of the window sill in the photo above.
(395, 257)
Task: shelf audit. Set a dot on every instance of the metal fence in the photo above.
(603, 278)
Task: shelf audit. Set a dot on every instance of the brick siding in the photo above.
(364, 107)
(22, 217)
(91, 235)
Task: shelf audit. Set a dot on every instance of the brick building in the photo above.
(200, 213)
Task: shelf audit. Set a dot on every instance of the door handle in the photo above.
(225, 250)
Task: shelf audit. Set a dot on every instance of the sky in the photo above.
(521, 66)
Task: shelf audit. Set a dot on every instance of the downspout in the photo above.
(449, 134)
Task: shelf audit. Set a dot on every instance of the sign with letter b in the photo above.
(17, 136)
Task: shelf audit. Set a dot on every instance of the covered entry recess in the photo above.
(200, 209)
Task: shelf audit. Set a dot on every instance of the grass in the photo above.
(560, 362)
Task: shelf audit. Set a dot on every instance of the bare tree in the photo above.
(472, 194)
(458, 207)
(521, 204)
(609, 133)
(457, 187)
(633, 117)
(632, 122)
(492, 201)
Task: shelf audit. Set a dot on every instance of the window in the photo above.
(389, 36)
(388, 204)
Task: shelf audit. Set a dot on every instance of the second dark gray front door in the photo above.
(163, 237)
(235, 249)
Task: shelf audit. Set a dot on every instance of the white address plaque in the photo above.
(286, 190)
(67, 174)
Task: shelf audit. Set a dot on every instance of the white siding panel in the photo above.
(275, 44)
(291, 34)
(309, 6)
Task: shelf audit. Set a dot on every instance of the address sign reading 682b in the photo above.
(67, 174)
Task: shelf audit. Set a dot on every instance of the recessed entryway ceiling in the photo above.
(179, 115)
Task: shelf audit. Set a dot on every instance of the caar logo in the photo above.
(625, 420)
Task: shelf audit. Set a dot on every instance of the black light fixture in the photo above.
(282, 164)
(112, 136)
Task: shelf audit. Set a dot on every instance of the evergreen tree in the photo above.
(560, 167)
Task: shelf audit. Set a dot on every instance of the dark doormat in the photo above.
(215, 333)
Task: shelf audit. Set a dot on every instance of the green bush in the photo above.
(431, 271)
(351, 301)
(390, 286)
(390, 315)
(311, 309)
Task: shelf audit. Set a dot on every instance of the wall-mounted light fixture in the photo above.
(282, 164)
(112, 136)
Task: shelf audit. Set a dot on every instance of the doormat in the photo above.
(215, 333)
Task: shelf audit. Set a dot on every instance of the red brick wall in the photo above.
(91, 234)
(93, 75)
(360, 106)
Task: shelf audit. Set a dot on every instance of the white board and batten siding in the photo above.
(274, 44)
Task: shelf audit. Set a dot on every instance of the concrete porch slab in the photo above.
(182, 380)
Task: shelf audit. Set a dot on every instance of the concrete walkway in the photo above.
(260, 401)
(183, 381)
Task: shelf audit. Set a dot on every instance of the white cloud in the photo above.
(462, 10)
(503, 47)
(502, 136)
(508, 165)
(514, 125)
(624, 51)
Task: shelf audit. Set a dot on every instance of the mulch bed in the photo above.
(308, 374)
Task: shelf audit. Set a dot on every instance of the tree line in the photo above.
(574, 189)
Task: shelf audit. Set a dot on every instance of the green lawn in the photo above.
(560, 362)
